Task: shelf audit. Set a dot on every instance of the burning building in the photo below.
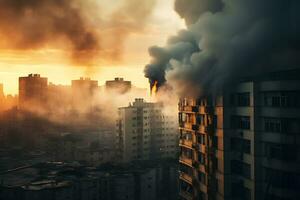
(239, 137)
(32, 91)
(243, 144)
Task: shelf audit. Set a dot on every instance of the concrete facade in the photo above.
(144, 132)
(244, 144)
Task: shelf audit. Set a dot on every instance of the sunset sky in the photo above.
(53, 62)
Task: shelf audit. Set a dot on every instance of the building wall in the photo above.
(254, 142)
(144, 132)
(32, 90)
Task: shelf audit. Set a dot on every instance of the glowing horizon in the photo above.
(55, 65)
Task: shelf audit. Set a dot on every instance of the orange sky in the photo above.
(54, 64)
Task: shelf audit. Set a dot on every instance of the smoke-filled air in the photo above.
(225, 39)
(81, 28)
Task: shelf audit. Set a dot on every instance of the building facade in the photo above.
(83, 92)
(243, 144)
(119, 85)
(32, 90)
(144, 132)
(2, 98)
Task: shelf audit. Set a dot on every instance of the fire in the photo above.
(154, 88)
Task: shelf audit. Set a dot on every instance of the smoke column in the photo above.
(225, 40)
(76, 26)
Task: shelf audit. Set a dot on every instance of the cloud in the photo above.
(76, 26)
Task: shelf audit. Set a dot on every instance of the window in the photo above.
(282, 179)
(240, 99)
(202, 177)
(240, 145)
(200, 119)
(240, 122)
(201, 158)
(282, 99)
(186, 135)
(201, 138)
(240, 168)
(281, 151)
(281, 125)
(186, 169)
(215, 142)
(239, 191)
(185, 187)
(186, 153)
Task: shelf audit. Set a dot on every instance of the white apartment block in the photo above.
(144, 132)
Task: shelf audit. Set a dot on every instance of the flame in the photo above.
(154, 88)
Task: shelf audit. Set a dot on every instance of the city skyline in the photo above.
(54, 62)
(101, 83)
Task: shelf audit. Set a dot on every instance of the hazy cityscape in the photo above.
(149, 100)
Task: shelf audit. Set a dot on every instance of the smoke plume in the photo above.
(76, 26)
(225, 40)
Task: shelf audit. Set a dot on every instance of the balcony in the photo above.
(195, 127)
(195, 146)
(209, 110)
(187, 143)
(185, 177)
(186, 108)
(195, 164)
(209, 129)
(186, 195)
(186, 160)
(185, 125)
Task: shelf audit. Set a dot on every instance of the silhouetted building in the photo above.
(244, 144)
(145, 132)
(83, 91)
(1, 91)
(61, 181)
(32, 90)
(2, 97)
(118, 85)
(59, 95)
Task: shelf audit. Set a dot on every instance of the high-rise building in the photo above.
(144, 132)
(243, 144)
(119, 85)
(2, 98)
(83, 91)
(1, 91)
(32, 90)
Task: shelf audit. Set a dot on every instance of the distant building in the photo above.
(243, 144)
(144, 132)
(119, 85)
(1, 91)
(83, 91)
(32, 90)
(61, 181)
(84, 85)
(59, 95)
(2, 98)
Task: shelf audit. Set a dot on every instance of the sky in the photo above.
(53, 62)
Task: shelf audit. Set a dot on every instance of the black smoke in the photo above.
(225, 40)
(77, 26)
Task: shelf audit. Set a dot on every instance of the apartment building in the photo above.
(118, 85)
(2, 97)
(32, 90)
(243, 144)
(144, 132)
